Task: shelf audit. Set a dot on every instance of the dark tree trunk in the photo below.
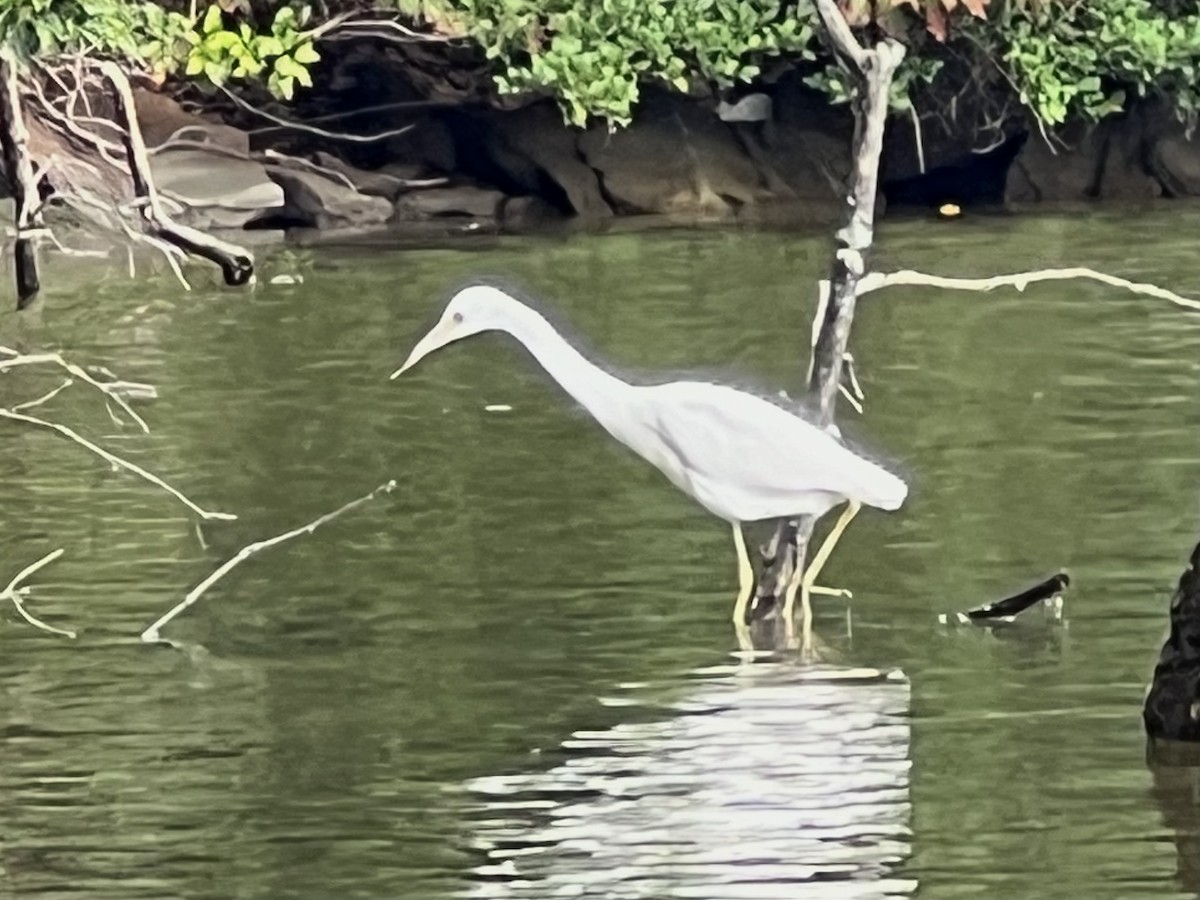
(22, 183)
(871, 72)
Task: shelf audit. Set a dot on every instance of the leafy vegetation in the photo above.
(164, 42)
(1060, 58)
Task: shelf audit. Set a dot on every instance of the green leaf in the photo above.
(306, 54)
(212, 20)
(195, 64)
(216, 72)
(288, 67)
(266, 45)
(222, 40)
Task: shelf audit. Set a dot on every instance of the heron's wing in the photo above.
(762, 458)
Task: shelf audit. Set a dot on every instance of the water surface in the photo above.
(512, 677)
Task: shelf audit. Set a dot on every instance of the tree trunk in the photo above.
(871, 72)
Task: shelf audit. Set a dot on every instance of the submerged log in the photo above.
(1172, 708)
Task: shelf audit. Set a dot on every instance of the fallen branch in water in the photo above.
(114, 460)
(151, 634)
(45, 398)
(15, 593)
(11, 359)
(236, 263)
(1019, 280)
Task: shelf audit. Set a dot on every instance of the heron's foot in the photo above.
(830, 592)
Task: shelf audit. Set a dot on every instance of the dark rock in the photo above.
(1123, 173)
(1042, 174)
(676, 157)
(1172, 155)
(319, 201)
(429, 145)
(161, 118)
(804, 152)
(376, 184)
(520, 213)
(217, 190)
(532, 151)
(1172, 707)
(462, 200)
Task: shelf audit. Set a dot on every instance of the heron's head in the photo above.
(470, 311)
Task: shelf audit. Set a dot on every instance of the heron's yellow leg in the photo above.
(745, 576)
(814, 568)
(802, 581)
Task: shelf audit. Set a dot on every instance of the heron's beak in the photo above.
(438, 336)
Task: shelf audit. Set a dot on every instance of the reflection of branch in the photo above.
(14, 593)
(876, 280)
(115, 460)
(111, 391)
(151, 634)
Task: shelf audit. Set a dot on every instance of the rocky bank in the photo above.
(778, 154)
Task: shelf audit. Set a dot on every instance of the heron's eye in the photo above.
(457, 317)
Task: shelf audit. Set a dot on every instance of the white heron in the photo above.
(744, 458)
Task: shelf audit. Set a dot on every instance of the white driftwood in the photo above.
(14, 592)
(152, 634)
(1019, 280)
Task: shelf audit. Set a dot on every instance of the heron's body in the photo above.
(742, 457)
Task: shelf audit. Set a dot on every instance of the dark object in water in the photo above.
(1172, 708)
(1007, 609)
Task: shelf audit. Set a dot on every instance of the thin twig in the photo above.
(13, 592)
(116, 461)
(19, 359)
(876, 280)
(30, 404)
(311, 129)
(151, 634)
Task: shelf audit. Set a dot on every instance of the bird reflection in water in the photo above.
(768, 782)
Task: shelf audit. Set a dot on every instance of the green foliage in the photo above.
(283, 54)
(594, 54)
(1083, 59)
(160, 41)
(140, 32)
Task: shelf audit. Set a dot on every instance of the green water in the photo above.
(512, 677)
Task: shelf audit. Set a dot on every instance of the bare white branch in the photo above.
(151, 634)
(14, 592)
(876, 280)
(111, 390)
(49, 395)
(114, 460)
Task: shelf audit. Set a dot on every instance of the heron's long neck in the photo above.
(596, 390)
